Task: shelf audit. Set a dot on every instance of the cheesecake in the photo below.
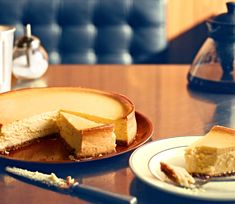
(22, 132)
(85, 137)
(98, 106)
(213, 154)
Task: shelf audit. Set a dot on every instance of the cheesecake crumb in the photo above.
(70, 181)
(53, 177)
(71, 157)
(6, 152)
(178, 175)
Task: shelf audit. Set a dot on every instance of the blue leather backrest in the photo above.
(91, 31)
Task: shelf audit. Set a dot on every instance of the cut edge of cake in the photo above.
(87, 138)
(32, 128)
(105, 107)
(125, 128)
(45, 124)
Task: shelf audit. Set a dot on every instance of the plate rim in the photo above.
(143, 140)
(167, 187)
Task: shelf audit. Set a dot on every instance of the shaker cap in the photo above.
(28, 40)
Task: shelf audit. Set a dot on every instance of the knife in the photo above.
(68, 186)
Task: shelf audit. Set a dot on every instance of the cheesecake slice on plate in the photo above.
(213, 154)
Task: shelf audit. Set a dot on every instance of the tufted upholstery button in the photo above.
(113, 39)
(19, 29)
(115, 58)
(54, 57)
(147, 13)
(92, 31)
(50, 33)
(142, 45)
(87, 57)
(83, 36)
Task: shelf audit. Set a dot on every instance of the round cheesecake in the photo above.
(18, 108)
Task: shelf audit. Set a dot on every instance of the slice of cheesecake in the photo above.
(99, 106)
(21, 132)
(85, 137)
(125, 129)
(213, 154)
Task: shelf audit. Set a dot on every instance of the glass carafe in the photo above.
(213, 67)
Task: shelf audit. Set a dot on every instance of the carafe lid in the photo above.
(226, 18)
(223, 24)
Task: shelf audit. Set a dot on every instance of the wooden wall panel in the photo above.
(184, 14)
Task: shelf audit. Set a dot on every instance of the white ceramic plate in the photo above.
(144, 162)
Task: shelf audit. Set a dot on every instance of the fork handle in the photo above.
(101, 195)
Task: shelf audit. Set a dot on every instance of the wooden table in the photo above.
(160, 93)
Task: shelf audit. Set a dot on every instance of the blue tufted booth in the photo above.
(92, 31)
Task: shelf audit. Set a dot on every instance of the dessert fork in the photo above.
(199, 182)
(180, 177)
